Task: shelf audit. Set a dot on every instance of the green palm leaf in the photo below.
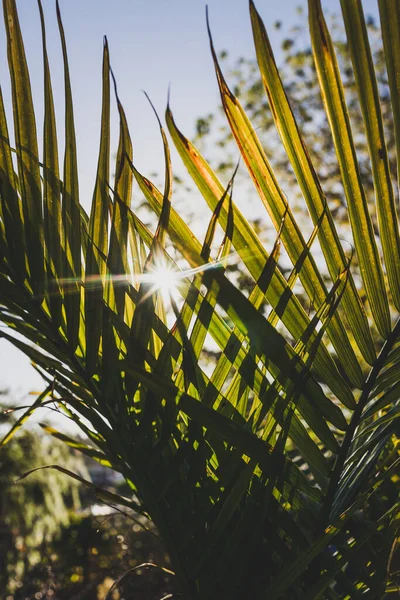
(272, 471)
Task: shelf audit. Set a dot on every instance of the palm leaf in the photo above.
(272, 470)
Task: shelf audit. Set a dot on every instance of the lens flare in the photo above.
(161, 276)
(163, 279)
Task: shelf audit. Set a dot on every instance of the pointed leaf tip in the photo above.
(153, 107)
(168, 95)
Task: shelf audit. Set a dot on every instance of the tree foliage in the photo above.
(32, 514)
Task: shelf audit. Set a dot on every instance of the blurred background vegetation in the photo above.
(57, 541)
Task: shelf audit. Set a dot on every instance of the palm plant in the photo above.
(273, 476)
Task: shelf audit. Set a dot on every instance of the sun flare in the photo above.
(164, 280)
(161, 277)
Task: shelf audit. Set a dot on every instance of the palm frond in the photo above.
(273, 471)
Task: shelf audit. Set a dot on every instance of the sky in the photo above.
(153, 43)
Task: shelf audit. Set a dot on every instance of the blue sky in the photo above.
(152, 43)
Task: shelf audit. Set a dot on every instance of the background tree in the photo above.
(32, 514)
